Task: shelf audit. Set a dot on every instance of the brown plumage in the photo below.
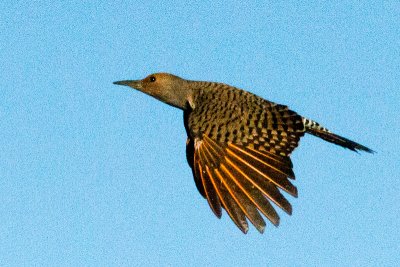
(238, 145)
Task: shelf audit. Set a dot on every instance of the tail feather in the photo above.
(314, 128)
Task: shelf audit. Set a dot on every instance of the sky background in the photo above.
(93, 174)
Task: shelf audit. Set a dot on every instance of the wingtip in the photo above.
(244, 229)
(295, 192)
(289, 210)
(218, 214)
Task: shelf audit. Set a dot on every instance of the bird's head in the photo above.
(166, 87)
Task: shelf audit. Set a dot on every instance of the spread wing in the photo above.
(238, 148)
(242, 180)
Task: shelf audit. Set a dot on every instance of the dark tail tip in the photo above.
(339, 140)
(359, 147)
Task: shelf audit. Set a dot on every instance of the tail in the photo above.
(314, 128)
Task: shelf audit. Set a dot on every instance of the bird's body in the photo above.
(238, 145)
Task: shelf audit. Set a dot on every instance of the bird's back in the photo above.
(231, 115)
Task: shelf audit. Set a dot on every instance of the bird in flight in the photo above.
(238, 145)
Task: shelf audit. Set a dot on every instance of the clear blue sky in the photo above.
(93, 174)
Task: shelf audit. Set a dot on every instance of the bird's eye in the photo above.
(152, 79)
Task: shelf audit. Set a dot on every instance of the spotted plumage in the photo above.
(238, 145)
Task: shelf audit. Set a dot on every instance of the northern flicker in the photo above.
(238, 145)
